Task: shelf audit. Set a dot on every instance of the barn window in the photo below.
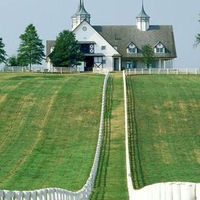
(103, 47)
(131, 48)
(159, 48)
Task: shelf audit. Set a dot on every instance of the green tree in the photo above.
(148, 54)
(13, 61)
(66, 52)
(31, 49)
(2, 52)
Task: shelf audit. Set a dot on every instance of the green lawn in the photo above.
(48, 129)
(164, 128)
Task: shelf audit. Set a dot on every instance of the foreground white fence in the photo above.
(159, 191)
(61, 194)
(163, 71)
(168, 191)
(50, 194)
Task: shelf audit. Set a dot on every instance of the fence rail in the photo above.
(22, 69)
(60, 70)
(42, 69)
(61, 194)
(168, 191)
(163, 71)
(100, 70)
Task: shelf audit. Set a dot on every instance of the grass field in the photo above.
(165, 128)
(48, 129)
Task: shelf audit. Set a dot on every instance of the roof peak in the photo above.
(80, 15)
(81, 9)
(143, 14)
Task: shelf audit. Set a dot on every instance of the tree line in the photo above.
(30, 51)
(66, 52)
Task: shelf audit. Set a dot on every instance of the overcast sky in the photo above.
(50, 17)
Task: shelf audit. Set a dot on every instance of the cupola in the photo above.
(143, 20)
(80, 15)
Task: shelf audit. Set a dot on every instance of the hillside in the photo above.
(48, 129)
(164, 128)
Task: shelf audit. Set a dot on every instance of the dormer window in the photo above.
(131, 48)
(159, 48)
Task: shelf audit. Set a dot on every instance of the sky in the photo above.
(50, 17)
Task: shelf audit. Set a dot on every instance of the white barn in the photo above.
(119, 47)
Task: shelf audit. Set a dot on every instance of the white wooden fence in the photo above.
(40, 68)
(62, 70)
(159, 191)
(61, 194)
(168, 191)
(34, 68)
(163, 71)
(100, 70)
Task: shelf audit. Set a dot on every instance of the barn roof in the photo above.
(121, 36)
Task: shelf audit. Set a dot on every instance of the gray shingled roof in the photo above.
(121, 36)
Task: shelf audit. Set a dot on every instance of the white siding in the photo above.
(91, 35)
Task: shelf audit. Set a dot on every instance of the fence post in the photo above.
(9, 195)
(1, 194)
(19, 195)
(188, 191)
(197, 191)
(34, 195)
(150, 71)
